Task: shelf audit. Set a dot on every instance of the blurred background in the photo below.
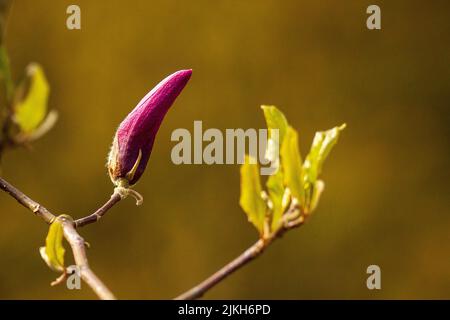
(386, 198)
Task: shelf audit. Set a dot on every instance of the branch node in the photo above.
(60, 279)
(124, 192)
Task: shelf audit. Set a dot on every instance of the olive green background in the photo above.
(386, 198)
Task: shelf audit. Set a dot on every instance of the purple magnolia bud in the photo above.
(134, 138)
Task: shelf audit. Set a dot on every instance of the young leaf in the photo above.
(31, 111)
(319, 185)
(53, 252)
(275, 119)
(322, 144)
(46, 125)
(275, 188)
(250, 200)
(292, 165)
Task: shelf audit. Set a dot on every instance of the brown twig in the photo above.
(291, 219)
(27, 202)
(79, 254)
(94, 217)
(248, 255)
(76, 242)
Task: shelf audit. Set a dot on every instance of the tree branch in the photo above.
(292, 218)
(94, 217)
(79, 254)
(24, 200)
(75, 240)
(247, 256)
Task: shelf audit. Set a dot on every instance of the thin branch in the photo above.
(248, 255)
(24, 200)
(94, 217)
(79, 254)
(75, 240)
(292, 218)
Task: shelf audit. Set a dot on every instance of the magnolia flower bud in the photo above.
(134, 138)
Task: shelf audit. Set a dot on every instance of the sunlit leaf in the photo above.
(275, 188)
(319, 185)
(251, 200)
(322, 144)
(46, 125)
(31, 111)
(275, 119)
(292, 164)
(53, 252)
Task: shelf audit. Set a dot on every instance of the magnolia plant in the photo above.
(291, 194)
(133, 141)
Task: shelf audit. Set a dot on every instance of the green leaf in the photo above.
(251, 200)
(53, 252)
(5, 72)
(31, 111)
(319, 185)
(275, 187)
(292, 164)
(275, 119)
(322, 144)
